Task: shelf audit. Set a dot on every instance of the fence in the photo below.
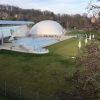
(20, 93)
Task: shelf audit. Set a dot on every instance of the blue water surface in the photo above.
(36, 42)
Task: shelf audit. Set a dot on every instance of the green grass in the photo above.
(3, 98)
(38, 73)
(66, 49)
(76, 32)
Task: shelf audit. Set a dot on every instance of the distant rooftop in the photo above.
(8, 22)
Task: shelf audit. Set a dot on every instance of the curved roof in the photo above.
(47, 27)
(7, 22)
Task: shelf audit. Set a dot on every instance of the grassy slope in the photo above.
(42, 73)
(3, 98)
(66, 49)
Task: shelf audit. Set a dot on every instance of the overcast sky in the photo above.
(57, 6)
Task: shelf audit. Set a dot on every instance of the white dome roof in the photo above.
(47, 27)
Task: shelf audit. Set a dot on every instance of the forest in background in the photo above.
(78, 21)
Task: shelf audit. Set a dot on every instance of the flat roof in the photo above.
(8, 22)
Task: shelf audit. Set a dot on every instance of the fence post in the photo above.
(20, 93)
(37, 98)
(5, 88)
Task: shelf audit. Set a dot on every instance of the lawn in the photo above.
(3, 98)
(41, 75)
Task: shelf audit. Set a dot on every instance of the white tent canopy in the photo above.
(47, 27)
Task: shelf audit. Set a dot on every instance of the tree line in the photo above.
(78, 21)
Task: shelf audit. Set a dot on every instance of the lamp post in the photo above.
(2, 38)
(2, 41)
(12, 38)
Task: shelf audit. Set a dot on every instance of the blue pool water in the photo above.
(36, 42)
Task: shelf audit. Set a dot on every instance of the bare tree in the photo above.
(94, 8)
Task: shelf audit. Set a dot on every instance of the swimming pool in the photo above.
(36, 45)
(36, 42)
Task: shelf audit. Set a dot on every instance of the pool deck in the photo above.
(64, 38)
(8, 46)
(21, 48)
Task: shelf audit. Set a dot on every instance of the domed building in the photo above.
(47, 28)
